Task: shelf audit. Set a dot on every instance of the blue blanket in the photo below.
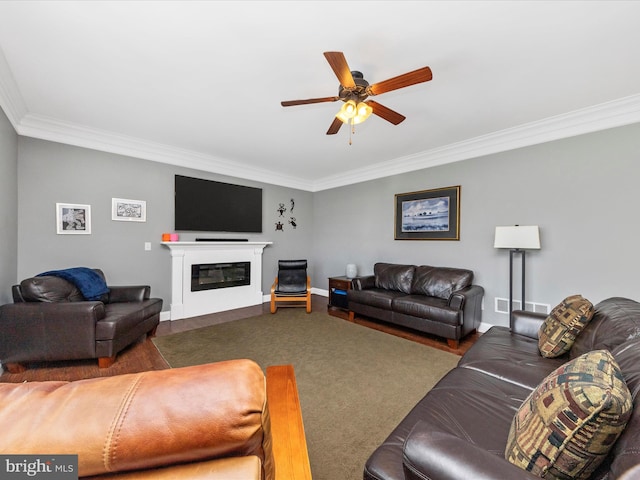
(89, 282)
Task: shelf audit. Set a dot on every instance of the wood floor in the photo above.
(143, 355)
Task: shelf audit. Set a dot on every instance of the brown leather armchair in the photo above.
(216, 421)
(51, 320)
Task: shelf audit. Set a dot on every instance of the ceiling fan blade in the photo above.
(386, 113)
(411, 78)
(291, 103)
(340, 67)
(335, 126)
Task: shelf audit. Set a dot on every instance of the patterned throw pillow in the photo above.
(568, 424)
(562, 326)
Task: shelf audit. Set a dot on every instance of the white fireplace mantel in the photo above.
(185, 303)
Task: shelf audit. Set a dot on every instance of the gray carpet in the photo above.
(355, 383)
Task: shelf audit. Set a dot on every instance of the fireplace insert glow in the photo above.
(209, 276)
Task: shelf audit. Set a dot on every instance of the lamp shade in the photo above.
(518, 236)
(363, 112)
(347, 112)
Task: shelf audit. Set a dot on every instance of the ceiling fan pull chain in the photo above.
(351, 130)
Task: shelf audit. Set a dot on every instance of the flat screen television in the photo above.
(209, 206)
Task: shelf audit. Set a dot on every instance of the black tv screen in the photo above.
(208, 206)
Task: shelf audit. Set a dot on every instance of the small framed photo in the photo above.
(73, 219)
(428, 214)
(125, 210)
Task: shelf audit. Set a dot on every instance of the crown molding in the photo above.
(617, 113)
(10, 96)
(45, 128)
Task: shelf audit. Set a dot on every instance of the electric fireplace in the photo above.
(209, 276)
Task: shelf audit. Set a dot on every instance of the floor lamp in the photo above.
(517, 239)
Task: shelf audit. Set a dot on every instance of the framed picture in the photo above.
(125, 210)
(73, 219)
(428, 215)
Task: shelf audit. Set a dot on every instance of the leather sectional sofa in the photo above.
(51, 320)
(219, 421)
(436, 300)
(461, 428)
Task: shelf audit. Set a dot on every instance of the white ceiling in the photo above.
(199, 84)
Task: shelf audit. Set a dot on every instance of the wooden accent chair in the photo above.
(292, 286)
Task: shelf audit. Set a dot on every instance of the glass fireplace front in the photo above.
(209, 276)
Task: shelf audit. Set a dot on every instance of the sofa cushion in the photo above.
(510, 357)
(464, 403)
(440, 282)
(391, 276)
(49, 289)
(374, 297)
(626, 453)
(431, 308)
(561, 328)
(615, 321)
(568, 424)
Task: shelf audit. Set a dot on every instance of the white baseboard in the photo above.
(484, 327)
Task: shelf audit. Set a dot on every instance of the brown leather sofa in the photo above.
(436, 300)
(216, 421)
(460, 428)
(51, 320)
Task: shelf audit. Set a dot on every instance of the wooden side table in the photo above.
(338, 288)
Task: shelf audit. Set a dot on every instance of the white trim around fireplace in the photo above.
(186, 304)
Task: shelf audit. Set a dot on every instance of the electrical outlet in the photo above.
(147, 246)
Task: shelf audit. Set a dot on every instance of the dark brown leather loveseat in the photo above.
(437, 300)
(460, 428)
(51, 320)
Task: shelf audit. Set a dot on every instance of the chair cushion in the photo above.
(440, 282)
(91, 284)
(561, 328)
(391, 276)
(49, 289)
(292, 277)
(568, 424)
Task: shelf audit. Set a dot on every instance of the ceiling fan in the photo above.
(354, 91)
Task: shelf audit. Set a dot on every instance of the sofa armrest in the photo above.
(43, 331)
(442, 456)
(364, 282)
(144, 420)
(458, 298)
(131, 293)
(287, 430)
(527, 323)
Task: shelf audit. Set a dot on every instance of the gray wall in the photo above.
(9, 210)
(51, 173)
(582, 192)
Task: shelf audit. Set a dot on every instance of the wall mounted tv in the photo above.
(208, 206)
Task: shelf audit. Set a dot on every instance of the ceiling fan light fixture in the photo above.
(363, 111)
(348, 111)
